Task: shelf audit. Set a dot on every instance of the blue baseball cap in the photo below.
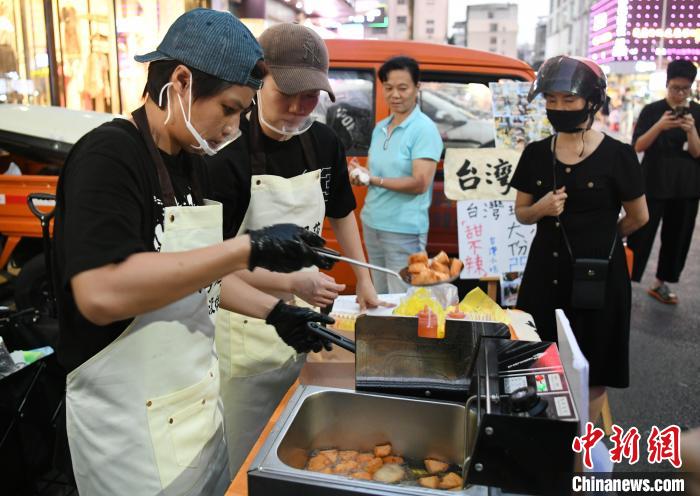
(214, 42)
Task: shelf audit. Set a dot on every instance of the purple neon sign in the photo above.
(634, 30)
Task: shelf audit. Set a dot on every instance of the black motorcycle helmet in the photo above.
(576, 75)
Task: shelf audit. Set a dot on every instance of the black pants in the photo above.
(676, 233)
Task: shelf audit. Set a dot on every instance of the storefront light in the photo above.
(645, 66)
(600, 21)
(657, 81)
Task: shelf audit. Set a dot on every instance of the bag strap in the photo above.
(166, 185)
(561, 224)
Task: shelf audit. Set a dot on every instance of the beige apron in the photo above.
(257, 367)
(144, 415)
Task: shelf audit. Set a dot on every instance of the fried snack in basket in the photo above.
(430, 271)
(421, 257)
(417, 268)
(456, 267)
(442, 258)
(440, 267)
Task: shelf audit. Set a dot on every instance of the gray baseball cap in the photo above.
(297, 58)
(214, 42)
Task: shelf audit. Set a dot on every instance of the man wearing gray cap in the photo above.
(141, 269)
(285, 168)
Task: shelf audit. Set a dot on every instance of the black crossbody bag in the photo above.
(589, 274)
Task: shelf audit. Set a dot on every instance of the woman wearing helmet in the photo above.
(572, 185)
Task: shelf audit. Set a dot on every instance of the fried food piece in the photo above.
(450, 481)
(382, 450)
(389, 474)
(432, 482)
(416, 268)
(425, 277)
(361, 475)
(393, 459)
(327, 470)
(435, 466)
(441, 276)
(331, 454)
(346, 467)
(440, 267)
(420, 257)
(346, 455)
(364, 457)
(456, 267)
(318, 463)
(373, 465)
(442, 258)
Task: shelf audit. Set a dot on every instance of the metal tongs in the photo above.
(331, 336)
(404, 275)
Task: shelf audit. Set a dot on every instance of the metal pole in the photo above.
(120, 104)
(660, 58)
(51, 52)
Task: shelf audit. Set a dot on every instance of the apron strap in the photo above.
(258, 159)
(166, 185)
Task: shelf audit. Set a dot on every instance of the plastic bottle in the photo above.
(427, 323)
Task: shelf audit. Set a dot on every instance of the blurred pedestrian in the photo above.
(667, 133)
(572, 185)
(403, 156)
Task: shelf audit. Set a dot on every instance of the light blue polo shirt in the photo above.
(393, 156)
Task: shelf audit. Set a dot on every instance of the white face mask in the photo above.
(203, 145)
(285, 130)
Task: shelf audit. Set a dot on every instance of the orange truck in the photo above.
(454, 93)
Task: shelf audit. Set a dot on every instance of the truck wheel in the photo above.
(32, 286)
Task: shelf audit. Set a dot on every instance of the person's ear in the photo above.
(181, 79)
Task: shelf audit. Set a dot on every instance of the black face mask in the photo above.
(567, 121)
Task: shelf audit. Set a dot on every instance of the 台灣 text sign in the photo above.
(479, 173)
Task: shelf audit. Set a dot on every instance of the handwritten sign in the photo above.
(479, 173)
(491, 241)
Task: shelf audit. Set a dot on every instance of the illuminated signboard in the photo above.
(635, 30)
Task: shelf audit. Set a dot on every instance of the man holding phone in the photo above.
(667, 131)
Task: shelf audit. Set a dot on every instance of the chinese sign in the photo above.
(479, 173)
(518, 122)
(491, 241)
(662, 445)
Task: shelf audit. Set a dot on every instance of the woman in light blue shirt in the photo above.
(403, 155)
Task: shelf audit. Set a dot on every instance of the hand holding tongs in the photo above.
(329, 335)
(328, 253)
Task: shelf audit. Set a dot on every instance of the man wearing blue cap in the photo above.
(141, 270)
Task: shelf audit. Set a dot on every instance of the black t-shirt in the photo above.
(230, 172)
(669, 170)
(108, 206)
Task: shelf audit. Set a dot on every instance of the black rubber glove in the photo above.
(290, 323)
(285, 248)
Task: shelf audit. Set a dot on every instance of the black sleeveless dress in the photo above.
(596, 186)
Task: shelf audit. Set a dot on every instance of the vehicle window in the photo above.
(462, 112)
(352, 114)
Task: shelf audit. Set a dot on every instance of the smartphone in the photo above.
(680, 111)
